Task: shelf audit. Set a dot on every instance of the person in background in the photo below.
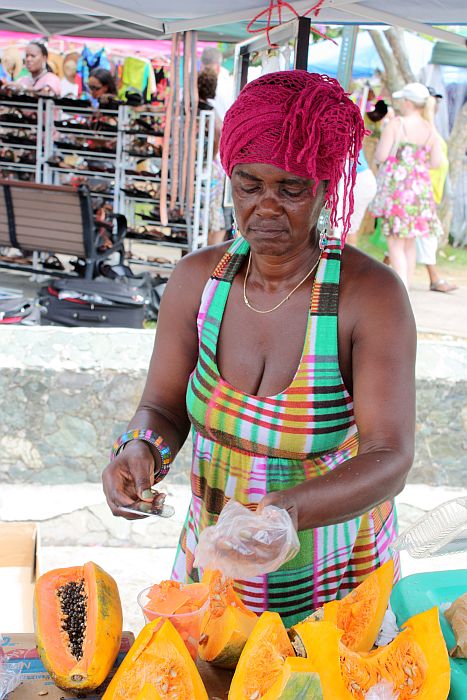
(212, 58)
(101, 85)
(408, 147)
(207, 82)
(41, 78)
(69, 85)
(290, 356)
(427, 246)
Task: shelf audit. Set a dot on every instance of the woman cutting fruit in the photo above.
(291, 360)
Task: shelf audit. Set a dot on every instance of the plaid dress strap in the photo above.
(313, 414)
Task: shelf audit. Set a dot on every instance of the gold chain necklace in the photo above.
(268, 311)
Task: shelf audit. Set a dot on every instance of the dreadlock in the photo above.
(303, 123)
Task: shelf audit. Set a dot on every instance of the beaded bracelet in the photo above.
(152, 438)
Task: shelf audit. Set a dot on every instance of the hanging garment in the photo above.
(137, 73)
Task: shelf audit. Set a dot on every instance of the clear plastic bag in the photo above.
(245, 544)
(442, 530)
(384, 690)
(10, 674)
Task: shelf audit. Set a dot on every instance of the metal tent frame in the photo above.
(158, 19)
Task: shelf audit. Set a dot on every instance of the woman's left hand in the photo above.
(282, 499)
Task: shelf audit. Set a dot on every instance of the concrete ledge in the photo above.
(65, 394)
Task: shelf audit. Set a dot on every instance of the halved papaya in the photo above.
(78, 625)
(160, 657)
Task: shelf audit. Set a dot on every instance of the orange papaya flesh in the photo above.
(78, 625)
(170, 597)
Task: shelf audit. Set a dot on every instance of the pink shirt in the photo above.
(48, 80)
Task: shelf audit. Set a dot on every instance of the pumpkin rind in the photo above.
(297, 682)
(416, 662)
(262, 659)
(102, 635)
(158, 654)
(227, 623)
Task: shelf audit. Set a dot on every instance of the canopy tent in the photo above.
(152, 18)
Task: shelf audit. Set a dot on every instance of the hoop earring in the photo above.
(323, 226)
(235, 230)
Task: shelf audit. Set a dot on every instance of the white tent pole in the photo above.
(404, 22)
(105, 8)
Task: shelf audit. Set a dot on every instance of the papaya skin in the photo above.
(103, 633)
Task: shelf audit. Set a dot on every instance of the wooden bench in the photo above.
(53, 219)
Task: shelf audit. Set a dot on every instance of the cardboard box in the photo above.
(21, 648)
(35, 681)
(19, 543)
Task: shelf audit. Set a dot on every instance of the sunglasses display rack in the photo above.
(118, 154)
(81, 148)
(22, 135)
(140, 155)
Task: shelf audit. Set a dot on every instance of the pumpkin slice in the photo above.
(160, 655)
(360, 614)
(296, 682)
(226, 625)
(78, 625)
(416, 662)
(262, 659)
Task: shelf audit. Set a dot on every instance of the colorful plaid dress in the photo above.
(246, 446)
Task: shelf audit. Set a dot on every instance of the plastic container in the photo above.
(442, 530)
(188, 625)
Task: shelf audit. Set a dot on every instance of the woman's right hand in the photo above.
(129, 478)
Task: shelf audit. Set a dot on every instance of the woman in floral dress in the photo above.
(408, 148)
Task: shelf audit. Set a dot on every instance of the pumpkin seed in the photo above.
(203, 639)
(43, 692)
(255, 695)
(408, 671)
(173, 673)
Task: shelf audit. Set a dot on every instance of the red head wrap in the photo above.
(303, 123)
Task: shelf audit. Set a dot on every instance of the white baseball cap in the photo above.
(415, 92)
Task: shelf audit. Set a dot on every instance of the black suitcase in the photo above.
(98, 303)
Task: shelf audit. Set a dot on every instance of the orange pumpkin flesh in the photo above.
(159, 656)
(360, 614)
(78, 625)
(148, 692)
(262, 659)
(227, 623)
(416, 662)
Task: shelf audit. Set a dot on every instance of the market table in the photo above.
(36, 682)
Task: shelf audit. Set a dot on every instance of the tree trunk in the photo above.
(393, 78)
(453, 221)
(396, 40)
